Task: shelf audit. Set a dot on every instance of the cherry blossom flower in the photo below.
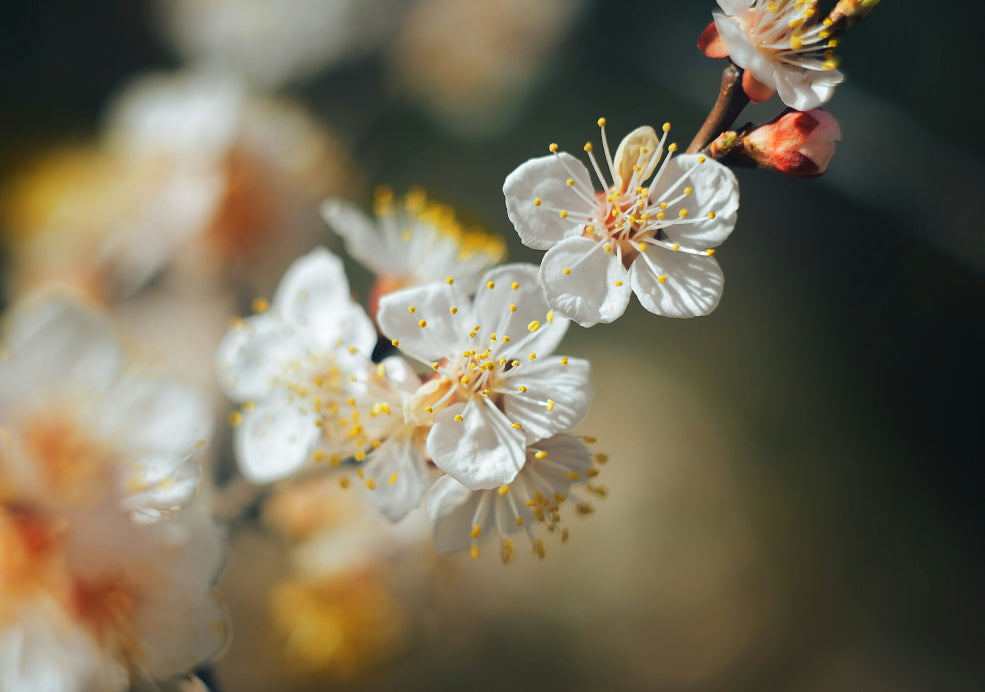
(104, 577)
(414, 242)
(463, 517)
(497, 387)
(653, 239)
(78, 414)
(781, 46)
(295, 366)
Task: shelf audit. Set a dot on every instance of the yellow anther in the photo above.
(475, 327)
(515, 363)
(458, 419)
(515, 285)
(503, 489)
(682, 213)
(601, 458)
(590, 228)
(588, 146)
(642, 247)
(474, 551)
(573, 475)
(591, 473)
(519, 521)
(344, 481)
(712, 215)
(796, 43)
(533, 356)
(489, 285)
(566, 271)
(676, 247)
(464, 379)
(411, 309)
(522, 389)
(564, 534)
(371, 484)
(517, 426)
(563, 214)
(319, 455)
(688, 191)
(666, 127)
(422, 324)
(663, 205)
(550, 317)
(619, 283)
(540, 549)
(833, 43)
(476, 531)
(607, 247)
(492, 337)
(601, 122)
(661, 216)
(588, 439)
(550, 405)
(395, 342)
(570, 182)
(449, 281)
(552, 147)
(359, 456)
(701, 159)
(453, 310)
(540, 454)
(533, 326)
(537, 202)
(485, 392)
(512, 308)
(662, 279)
(564, 360)
(429, 409)
(672, 147)
(260, 304)
(506, 339)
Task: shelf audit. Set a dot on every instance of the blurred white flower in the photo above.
(413, 242)
(103, 577)
(477, 86)
(782, 47)
(497, 386)
(77, 415)
(273, 42)
(654, 239)
(463, 517)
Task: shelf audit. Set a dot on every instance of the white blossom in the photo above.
(463, 517)
(497, 386)
(654, 239)
(782, 47)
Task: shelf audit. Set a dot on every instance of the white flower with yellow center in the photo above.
(79, 417)
(298, 367)
(463, 517)
(413, 242)
(653, 238)
(497, 387)
(782, 47)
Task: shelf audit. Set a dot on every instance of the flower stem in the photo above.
(731, 100)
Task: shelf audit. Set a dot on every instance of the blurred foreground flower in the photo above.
(782, 46)
(477, 86)
(655, 240)
(103, 578)
(192, 171)
(414, 242)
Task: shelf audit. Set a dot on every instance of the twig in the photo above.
(731, 100)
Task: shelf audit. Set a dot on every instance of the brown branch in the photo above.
(731, 100)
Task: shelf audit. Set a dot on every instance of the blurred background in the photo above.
(795, 482)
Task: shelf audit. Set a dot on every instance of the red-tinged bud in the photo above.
(795, 143)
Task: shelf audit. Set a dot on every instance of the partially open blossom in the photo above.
(497, 387)
(654, 239)
(463, 517)
(795, 143)
(104, 577)
(414, 241)
(783, 47)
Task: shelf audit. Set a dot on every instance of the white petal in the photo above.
(362, 237)
(589, 294)
(714, 188)
(157, 483)
(806, 90)
(735, 7)
(452, 508)
(253, 353)
(692, 288)
(481, 450)
(493, 313)
(546, 178)
(547, 380)
(314, 296)
(53, 339)
(399, 456)
(743, 52)
(443, 332)
(275, 439)
(156, 414)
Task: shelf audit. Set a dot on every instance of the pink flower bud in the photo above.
(795, 143)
